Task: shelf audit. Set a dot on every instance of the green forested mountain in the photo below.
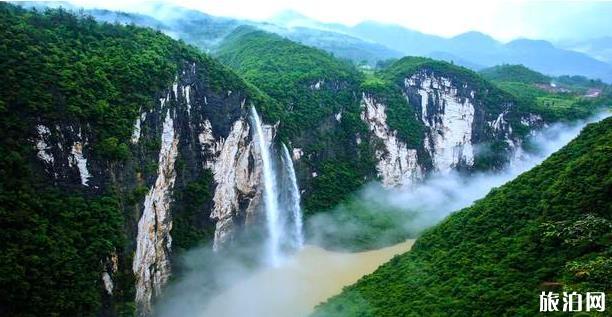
(120, 148)
(321, 101)
(69, 81)
(516, 73)
(319, 91)
(551, 228)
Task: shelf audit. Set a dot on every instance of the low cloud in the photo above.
(204, 274)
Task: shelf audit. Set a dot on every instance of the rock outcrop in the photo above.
(198, 129)
(397, 164)
(457, 121)
(448, 117)
(153, 242)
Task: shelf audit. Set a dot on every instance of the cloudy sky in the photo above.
(504, 20)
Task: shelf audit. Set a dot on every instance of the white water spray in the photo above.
(274, 225)
(294, 204)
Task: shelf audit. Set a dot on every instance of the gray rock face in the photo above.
(448, 118)
(457, 122)
(191, 128)
(153, 243)
(397, 164)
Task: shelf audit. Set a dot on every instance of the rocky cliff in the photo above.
(467, 124)
(113, 164)
(145, 156)
(200, 130)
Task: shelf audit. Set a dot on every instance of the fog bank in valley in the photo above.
(205, 274)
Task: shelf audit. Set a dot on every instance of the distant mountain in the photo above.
(477, 50)
(542, 56)
(341, 45)
(599, 48)
(454, 59)
(399, 38)
(374, 41)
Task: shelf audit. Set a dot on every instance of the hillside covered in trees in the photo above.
(550, 228)
(65, 78)
(119, 144)
(314, 88)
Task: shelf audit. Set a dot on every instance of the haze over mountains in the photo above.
(371, 41)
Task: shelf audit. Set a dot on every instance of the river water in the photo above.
(295, 287)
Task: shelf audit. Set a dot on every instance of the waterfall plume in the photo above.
(294, 203)
(270, 193)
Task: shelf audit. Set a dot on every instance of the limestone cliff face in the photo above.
(191, 129)
(63, 149)
(457, 121)
(448, 116)
(237, 173)
(154, 243)
(206, 131)
(397, 164)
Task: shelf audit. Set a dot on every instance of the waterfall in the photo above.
(273, 222)
(294, 203)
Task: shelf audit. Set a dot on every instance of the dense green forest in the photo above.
(63, 68)
(549, 228)
(313, 87)
(515, 73)
(59, 67)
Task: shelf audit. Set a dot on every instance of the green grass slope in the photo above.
(563, 102)
(550, 228)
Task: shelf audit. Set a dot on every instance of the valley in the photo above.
(203, 166)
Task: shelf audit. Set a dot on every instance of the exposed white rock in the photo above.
(314, 174)
(338, 116)
(225, 198)
(500, 122)
(136, 131)
(317, 85)
(448, 119)
(108, 283)
(297, 153)
(41, 144)
(233, 175)
(397, 165)
(186, 92)
(207, 142)
(531, 120)
(77, 158)
(151, 266)
(175, 89)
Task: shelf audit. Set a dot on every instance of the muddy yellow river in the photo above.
(302, 282)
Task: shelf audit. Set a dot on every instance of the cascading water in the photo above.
(273, 222)
(294, 203)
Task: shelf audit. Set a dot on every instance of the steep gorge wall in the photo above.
(191, 130)
(459, 129)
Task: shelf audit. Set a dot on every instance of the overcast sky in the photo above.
(504, 20)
